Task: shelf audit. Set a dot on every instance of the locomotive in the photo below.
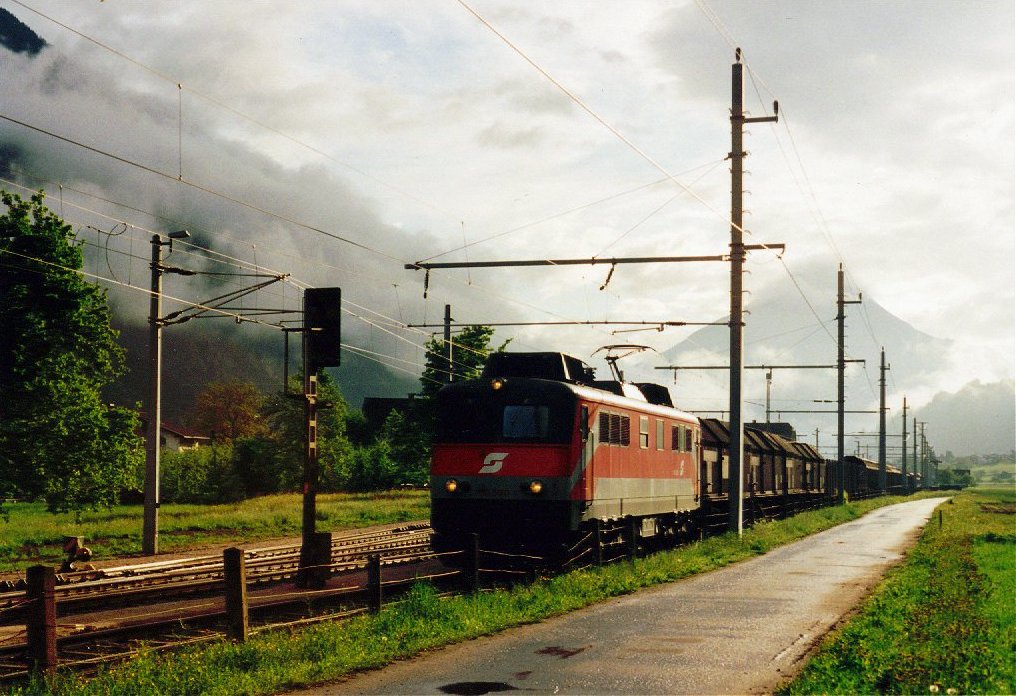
(535, 452)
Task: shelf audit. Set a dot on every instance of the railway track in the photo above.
(104, 615)
(272, 564)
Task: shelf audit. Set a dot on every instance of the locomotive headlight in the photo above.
(496, 384)
(535, 487)
(451, 485)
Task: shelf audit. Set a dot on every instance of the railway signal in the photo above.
(322, 341)
(322, 324)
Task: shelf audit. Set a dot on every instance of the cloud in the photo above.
(413, 129)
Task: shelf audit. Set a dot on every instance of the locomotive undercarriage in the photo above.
(551, 531)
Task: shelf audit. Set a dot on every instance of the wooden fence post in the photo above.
(374, 594)
(633, 537)
(472, 569)
(40, 621)
(598, 541)
(321, 555)
(234, 566)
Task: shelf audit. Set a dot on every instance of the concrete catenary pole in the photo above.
(841, 370)
(153, 433)
(736, 514)
(903, 449)
(882, 478)
(735, 518)
(918, 469)
(449, 355)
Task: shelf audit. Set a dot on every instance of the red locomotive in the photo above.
(535, 450)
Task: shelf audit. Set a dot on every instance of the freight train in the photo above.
(536, 451)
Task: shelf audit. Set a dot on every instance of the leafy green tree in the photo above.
(409, 448)
(58, 440)
(200, 475)
(285, 420)
(469, 349)
(372, 468)
(409, 436)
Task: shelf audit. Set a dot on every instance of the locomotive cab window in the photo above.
(479, 416)
(525, 422)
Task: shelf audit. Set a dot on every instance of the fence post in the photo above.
(598, 541)
(374, 596)
(472, 568)
(234, 567)
(40, 621)
(633, 537)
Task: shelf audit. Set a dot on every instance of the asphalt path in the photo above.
(741, 629)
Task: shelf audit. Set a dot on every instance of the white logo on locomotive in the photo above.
(493, 462)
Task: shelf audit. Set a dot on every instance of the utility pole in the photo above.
(737, 253)
(841, 368)
(926, 462)
(816, 438)
(448, 339)
(917, 469)
(156, 322)
(769, 391)
(153, 434)
(883, 368)
(903, 446)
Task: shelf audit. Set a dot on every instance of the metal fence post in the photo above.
(40, 621)
(234, 566)
(374, 595)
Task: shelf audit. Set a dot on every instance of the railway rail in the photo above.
(104, 615)
(160, 579)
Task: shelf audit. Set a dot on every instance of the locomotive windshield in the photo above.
(483, 416)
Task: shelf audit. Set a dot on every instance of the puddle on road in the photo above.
(563, 653)
(475, 688)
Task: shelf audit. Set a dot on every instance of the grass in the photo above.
(944, 621)
(276, 660)
(32, 535)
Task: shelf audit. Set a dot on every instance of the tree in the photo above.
(229, 410)
(470, 349)
(286, 424)
(58, 440)
(409, 436)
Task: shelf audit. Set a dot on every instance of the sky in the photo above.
(338, 141)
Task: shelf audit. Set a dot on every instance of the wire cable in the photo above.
(596, 117)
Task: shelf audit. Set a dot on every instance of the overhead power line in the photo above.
(182, 87)
(596, 117)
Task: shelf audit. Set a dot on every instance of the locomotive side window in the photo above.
(644, 432)
(659, 434)
(525, 422)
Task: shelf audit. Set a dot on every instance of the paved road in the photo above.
(741, 629)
